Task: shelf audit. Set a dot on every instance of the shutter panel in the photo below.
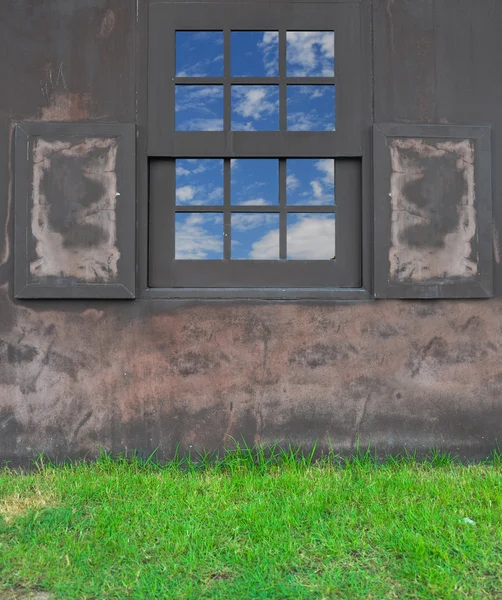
(74, 210)
(432, 211)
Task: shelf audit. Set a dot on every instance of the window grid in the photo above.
(227, 81)
(282, 208)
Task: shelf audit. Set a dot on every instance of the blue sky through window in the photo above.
(199, 108)
(310, 181)
(254, 54)
(255, 236)
(199, 53)
(255, 181)
(310, 53)
(311, 236)
(255, 107)
(199, 236)
(199, 181)
(311, 107)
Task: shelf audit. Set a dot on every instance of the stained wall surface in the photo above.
(146, 374)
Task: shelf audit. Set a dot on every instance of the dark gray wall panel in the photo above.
(75, 210)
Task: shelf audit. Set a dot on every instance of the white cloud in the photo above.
(254, 202)
(310, 238)
(181, 171)
(310, 53)
(317, 189)
(270, 47)
(239, 126)
(327, 167)
(215, 195)
(184, 194)
(255, 101)
(201, 125)
(248, 221)
(308, 121)
(195, 241)
(292, 183)
(202, 106)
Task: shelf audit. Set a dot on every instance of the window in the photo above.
(255, 145)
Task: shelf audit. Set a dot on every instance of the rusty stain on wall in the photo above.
(73, 212)
(392, 373)
(433, 227)
(107, 24)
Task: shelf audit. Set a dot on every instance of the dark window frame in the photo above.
(342, 143)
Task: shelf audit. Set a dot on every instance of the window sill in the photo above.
(342, 294)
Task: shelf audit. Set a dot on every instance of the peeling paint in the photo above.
(73, 213)
(496, 244)
(67, 106)
(433, 224)
(107, 24)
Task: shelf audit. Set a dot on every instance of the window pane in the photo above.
(255, 236)
(310, 53)
(311, 107)
(199, 181)
(255, 54)
(310, 181)
(199, 108)
(199, 53)
(255, 107)
(199, 236)
(311, 237)
(255, 181)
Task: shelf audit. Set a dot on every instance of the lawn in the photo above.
(252, 527)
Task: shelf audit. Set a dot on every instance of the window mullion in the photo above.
(227, 229)
(282, 79)
(283, 216)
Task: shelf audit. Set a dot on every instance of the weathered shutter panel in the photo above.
(74, 210)
(432, 211)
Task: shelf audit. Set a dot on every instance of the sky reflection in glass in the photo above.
(310, 181)
(310, 53)
(199, 236)
(311, 236)
(311, 107)
(255, 236)
(254, 181)
(199, 181)
(255, 107)
(255, 54)
(199, 108)
(199, 54)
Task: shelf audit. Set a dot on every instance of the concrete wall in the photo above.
(139, 375)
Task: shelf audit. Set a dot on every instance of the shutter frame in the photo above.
(414, 239)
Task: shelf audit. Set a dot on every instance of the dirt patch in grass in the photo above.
(16, 505)
(24, 595)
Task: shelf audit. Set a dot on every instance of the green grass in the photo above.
(254, 525)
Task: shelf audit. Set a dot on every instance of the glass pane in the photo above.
(311, 237)
(310, 181)
(199, 53)
(199, 181)
(255, 181)
(311, 107)
(255, 107)
(199, 236)
(255, 54)
(199, 108)
(310, 53)
(255, 236)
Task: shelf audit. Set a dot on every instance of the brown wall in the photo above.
(154, 373)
